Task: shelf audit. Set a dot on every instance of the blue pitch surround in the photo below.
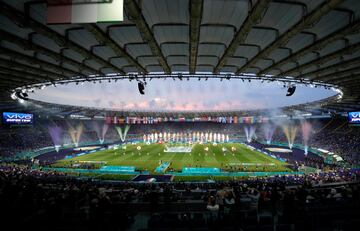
(188, 170)
(117, 169)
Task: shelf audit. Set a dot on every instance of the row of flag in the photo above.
(155, 120)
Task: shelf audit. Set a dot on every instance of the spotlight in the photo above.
(291, 90)
(141, 88)
(21, 95)
(13, 96)
(180, 76)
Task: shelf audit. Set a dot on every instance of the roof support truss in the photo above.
(347, 50)
(196, 8)
(137, 17)
(316, 75)
(34, 60)
(46, 75)
(306, 22)
(252, 19)
(28, 45)
(103, 38)
(24, 21)
(339, 34)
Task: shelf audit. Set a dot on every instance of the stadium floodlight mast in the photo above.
(114, 77)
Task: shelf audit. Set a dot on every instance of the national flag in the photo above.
(84, 11)
(121, 120)
(108, 120)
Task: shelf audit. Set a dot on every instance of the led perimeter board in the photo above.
(11, 118)
(354, 118)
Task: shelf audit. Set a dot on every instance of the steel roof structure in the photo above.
(305, 39)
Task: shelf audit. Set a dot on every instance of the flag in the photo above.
(84, 11)
(108, 120)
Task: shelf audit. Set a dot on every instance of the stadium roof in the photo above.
(305, 39)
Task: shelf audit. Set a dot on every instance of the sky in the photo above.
(169, 95)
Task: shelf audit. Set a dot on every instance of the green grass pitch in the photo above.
(149, 157)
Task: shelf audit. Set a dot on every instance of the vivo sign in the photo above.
(354, 117)
(17, 118)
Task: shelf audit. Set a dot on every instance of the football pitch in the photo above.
(229, 156)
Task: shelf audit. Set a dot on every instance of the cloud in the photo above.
(111, 104)
(97, 102)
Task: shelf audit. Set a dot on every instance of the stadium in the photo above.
(180, 115)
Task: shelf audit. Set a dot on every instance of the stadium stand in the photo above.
(158, 115)
(33, 198)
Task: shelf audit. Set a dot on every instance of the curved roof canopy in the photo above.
(306, 39)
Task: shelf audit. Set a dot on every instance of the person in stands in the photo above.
(213, 208)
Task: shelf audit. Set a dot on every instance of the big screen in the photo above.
(354, 117)
(17, 118)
